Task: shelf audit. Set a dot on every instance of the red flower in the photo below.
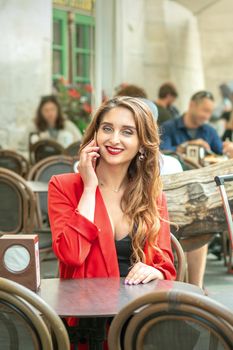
(74, 93)
(88, 88)
(63, 81)
(87, 108)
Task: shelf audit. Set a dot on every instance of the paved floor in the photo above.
(218, 282)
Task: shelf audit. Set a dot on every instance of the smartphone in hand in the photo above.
(95, 159)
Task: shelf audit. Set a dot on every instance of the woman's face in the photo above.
(117, 137)
(50, 113)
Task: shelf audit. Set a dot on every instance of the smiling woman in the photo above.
(110, 219)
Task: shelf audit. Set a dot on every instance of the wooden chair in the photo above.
(186, 163)
(172, 320)
(43, 149)
(43, 171)
(73, 149)
(27, 322)
(14, 161)
(17, 205)
(180, 260)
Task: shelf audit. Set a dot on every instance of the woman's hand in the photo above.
(142, 273)
(86, 166)
(228, 148)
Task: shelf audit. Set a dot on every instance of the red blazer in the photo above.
(87, 249)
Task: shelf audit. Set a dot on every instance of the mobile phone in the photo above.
(96, 160)
(95, 138)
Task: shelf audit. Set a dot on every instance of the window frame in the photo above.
(61, 16)
(90, 22)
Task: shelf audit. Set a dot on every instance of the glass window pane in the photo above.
(57, 62)
(57, 37)
(82, 36)
(87, 66)
(80, 65)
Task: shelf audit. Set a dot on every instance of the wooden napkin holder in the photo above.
(19, 259)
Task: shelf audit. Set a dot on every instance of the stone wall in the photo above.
(25, 64)
(216, 32)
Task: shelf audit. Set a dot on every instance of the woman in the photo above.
(50, 123)
(111, 219)
(228, 134)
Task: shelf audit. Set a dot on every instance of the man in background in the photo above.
(192, 127)
(167, 95)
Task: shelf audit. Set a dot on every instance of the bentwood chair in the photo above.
(17, 204)
(186, 163)
(172, 320)
(43, 171)
(27, 322)
(179, 258)
(43, 149)
(73, 149)
(14, 161)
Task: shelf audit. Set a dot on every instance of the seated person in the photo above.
(228, 134)
(51, 124)
(131, 90)
(165, 103)
(110, 219)
(192, 127)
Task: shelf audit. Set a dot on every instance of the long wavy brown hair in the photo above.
(139, 201)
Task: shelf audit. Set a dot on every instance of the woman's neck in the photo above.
(112, 176)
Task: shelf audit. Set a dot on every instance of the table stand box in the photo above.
(19, 259)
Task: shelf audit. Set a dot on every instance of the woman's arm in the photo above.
(72, 232)
(73, 229)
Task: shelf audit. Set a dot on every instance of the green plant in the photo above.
(75, 100)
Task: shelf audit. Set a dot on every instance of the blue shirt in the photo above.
(174, 132)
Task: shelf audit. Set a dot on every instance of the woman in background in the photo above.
(51, 124)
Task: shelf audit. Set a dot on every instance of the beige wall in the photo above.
(25, 64)
(216, 32)
(184, 51)
(160, 42)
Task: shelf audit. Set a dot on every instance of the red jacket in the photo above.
(87, 249)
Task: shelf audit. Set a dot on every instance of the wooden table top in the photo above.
(104, 297)
(38, 186)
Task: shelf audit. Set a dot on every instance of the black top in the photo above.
(228, 134)
(124, 251)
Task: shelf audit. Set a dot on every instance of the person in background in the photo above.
(131, 90)
(167, 95)
(192, 127)
(228, 134)
(51, 124)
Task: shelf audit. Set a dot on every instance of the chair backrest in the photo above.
(27, 322)
(186, 163)
(180, 260)
(43, 171)
(73, 149)
(172, 319)
(14, 161)
(17, 204)
(43, 149)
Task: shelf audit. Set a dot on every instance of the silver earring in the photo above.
(141, 157)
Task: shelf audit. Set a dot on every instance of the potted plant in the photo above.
(75, 100)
